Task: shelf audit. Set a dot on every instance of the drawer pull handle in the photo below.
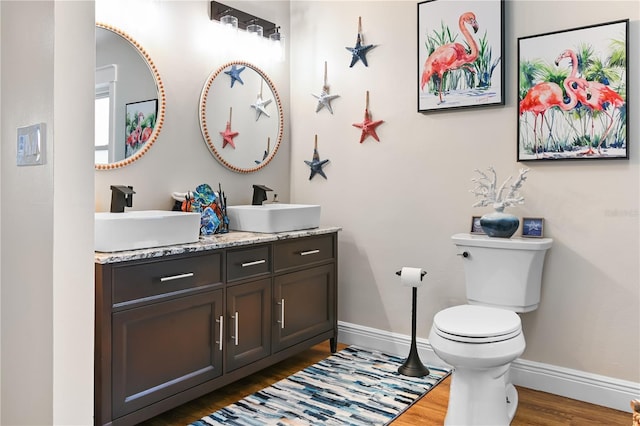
(255, 262)
(235, 338)
(220, 320)
(176, 277)
(306, 253)
(281, 313)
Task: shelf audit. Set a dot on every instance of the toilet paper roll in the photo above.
(411, 277)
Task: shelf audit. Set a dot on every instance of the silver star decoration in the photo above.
(324, 99)
(260, 105)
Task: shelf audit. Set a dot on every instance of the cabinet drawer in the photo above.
(248, 262)
(303, 251)
(165, 276)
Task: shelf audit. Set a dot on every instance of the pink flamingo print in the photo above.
(146, 133)
(597, 97)
(574, 61)
(453, 55)
(541, 98)
(132, 140)
(592, 94)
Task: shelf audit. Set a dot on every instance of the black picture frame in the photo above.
(476, 228)
(474, 80)
(140, 121)
(532, 227)
(572, 93)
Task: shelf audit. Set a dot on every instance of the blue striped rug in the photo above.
(355, 386)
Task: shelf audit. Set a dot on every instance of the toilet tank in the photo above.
(503, 272)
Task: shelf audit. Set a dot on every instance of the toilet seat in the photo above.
(477, 324)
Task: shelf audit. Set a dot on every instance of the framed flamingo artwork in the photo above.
(140, 121)
(460, 48)
(572, 94)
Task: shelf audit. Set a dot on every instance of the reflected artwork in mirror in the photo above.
(241, 117)
(125, 77)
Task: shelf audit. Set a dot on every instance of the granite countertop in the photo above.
(209, 242)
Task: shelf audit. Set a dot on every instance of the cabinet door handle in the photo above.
(255, 262)
(176, 277)
(220, 320)
(281, 303)
(306, 253)
(282, 314)
(235, 318)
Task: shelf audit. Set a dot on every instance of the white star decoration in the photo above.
(324, 99)
(260, 105)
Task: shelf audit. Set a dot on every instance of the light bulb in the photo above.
(255, 29)
(229, 20)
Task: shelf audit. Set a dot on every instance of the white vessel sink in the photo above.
(271, 218)
(144, 229)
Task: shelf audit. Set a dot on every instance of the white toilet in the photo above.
(481, 339)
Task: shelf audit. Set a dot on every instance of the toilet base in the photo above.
(481, 397)
(512, 401)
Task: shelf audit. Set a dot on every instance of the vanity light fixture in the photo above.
(244, 21)
(277, 41)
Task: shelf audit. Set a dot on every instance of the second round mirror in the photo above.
(241, 117)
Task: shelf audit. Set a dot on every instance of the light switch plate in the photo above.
(32, 145)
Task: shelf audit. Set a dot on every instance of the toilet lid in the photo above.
(477, 324)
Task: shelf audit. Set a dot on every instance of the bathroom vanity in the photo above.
(175, 323)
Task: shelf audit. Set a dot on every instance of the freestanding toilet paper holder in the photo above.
(412, 366)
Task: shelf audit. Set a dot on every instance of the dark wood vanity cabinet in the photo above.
(170, 329)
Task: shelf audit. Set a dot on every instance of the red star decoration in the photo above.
(228, 135)
(368, 127)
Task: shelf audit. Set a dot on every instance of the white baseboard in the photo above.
(574, 384)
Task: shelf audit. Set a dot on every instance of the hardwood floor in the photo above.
(534, 409)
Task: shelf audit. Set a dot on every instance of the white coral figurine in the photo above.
(485, 189)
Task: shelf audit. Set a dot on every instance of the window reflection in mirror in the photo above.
(125, 74)
(103, 137)
(105, 113)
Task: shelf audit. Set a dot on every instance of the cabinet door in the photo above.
(304, 305)
(164, 348)
(248, 319)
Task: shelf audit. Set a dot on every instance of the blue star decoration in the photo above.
(264, 157)
(266, 152)
(359, 52)
(316, 165)
(234, 73)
